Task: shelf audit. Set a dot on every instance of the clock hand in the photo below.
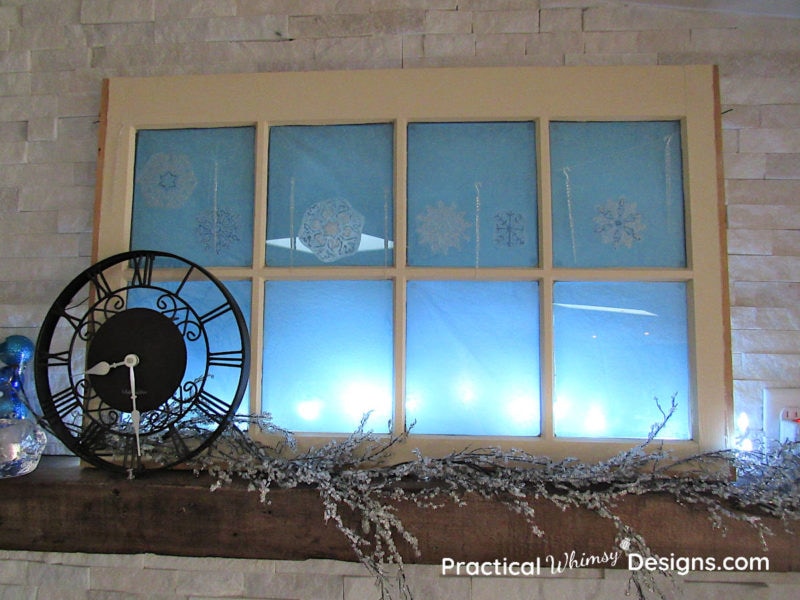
(103, 368)
(131, 360)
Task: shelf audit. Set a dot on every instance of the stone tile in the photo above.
(294, 586)
(759, 90)
(745, 166)
(15, 84)
(10, 16)
(506, 21)
(781, 116)
(50, 12)
(581, 59)
(502, 45)
(742, 39)
(144, 582)
(43, 37)
(268, 27)
(783, 166)
(53, 151)
(37, 198)
(764, 319)
(15, 61)
(368, 24)
(554, 43)
(620, 18)
(764, 268)
(767, 342)
(9, 198)
(13, 153)
(560, 19)
(761, 191)
(448, 21)
(754, 216)
(739, 117)
(212, 583)
(43, 129)
(191, 9)
(359, 52)
(319, 567)
(29, 222)
(60, 59)
(38, 245)
(116, 11)
(448, 45)
(122, 34)
(775, 369)
(18, 592)
(770, 140)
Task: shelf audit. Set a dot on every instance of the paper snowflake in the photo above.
(619, 223)
(217, 229)
(442, 228)
(166, 180)
(331, 229)
(509, 229)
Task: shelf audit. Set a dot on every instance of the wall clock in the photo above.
(141, 361)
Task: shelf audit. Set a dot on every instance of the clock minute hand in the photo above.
(131, 360)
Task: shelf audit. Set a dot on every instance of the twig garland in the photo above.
(355, 478)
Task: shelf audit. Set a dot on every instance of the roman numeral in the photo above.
(65, 401)
(75, 322)
(186, 277)
(58, 359)
(178, 442)
(101, 286)
(215, 313)
(230, 358)
(142, 270)
(211, 406)
(93, 437)
(130, 457)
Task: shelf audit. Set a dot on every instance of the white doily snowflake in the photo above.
(442, 228)
(166, 180)
(619, 223)
(331, 229)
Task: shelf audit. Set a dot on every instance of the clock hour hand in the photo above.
(131, 360)
(103, 368)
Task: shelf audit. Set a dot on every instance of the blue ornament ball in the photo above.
(16, 350)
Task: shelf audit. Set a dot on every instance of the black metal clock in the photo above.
(141, 361)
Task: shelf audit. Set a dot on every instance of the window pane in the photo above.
(472, 195)
(617, 194)
(193, 194)
(618, 346)
(328, 354)
(473, 357)
(330, 197)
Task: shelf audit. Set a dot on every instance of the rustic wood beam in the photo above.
(64, 508)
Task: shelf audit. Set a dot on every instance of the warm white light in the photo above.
(742, 422)
(466, 391)
(522, 410)
(413, 402)
(594, 421)
(309, 410)
(358, 398)
(561, 407)
(746, 445)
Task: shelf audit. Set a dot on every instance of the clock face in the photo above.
(141, 361)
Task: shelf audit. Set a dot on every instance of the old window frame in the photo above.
(685, 93)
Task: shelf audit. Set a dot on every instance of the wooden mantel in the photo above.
(64, 508)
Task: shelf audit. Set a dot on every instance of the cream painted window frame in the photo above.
(685, 93)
